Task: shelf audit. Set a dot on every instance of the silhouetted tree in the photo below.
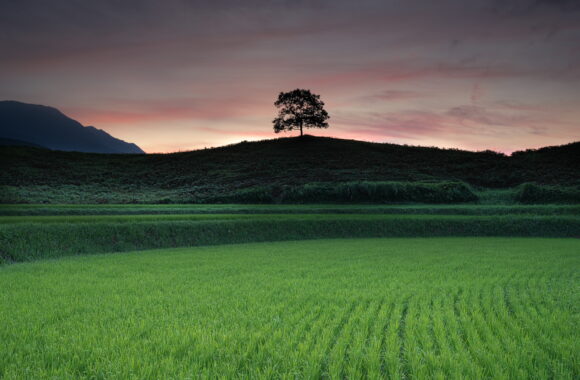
(299, 109)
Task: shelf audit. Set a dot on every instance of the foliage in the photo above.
(532, 193)
(445, 308)
(32, 175)
(354, 192)
(299, 109)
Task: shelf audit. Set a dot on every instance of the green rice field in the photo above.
(289, 291)
(340, 308)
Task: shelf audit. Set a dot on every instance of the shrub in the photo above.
(380, 192)
(352, 192)
(532, 193)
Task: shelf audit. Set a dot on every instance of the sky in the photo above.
(180, 75)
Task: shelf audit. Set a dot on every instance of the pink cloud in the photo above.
(404, 124)
(477, 93)
(394, 95)
(134, 112)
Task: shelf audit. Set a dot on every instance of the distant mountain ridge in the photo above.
(48, 127)
(13, 142)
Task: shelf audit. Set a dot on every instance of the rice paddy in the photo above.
(32, 232)
(289, 291)
(413, 308)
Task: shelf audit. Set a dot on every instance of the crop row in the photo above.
(135, 209)
(28, 240)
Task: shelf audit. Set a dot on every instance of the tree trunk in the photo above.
(300, 128)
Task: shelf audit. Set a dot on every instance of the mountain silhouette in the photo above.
(50, 128)
(13, 142)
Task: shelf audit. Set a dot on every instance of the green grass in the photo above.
(295, 215)
(447, 308)
(154, 209)
(136, 218)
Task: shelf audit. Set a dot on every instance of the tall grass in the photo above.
(29, 241)
(531, 193)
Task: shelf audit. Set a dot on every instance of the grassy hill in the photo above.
(292, 169)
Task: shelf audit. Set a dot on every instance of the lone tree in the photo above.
(299, 109)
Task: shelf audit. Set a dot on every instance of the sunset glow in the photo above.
(175, 75)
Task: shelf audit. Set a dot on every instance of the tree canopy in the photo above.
(299, 109)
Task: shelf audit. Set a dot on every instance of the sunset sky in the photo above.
(182, 75)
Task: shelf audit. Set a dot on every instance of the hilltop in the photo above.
(273, 165)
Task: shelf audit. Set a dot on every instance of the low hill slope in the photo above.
(286, 161)
(48, 127)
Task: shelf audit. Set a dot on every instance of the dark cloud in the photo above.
(528, 7)
(485, 116)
